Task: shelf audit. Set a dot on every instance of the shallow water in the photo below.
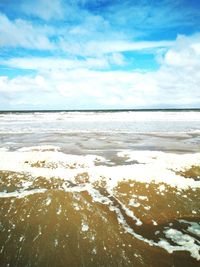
(100, 195)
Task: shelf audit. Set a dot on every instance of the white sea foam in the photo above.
(134, 203)
(193, 227)
(39, 148)
(155, 167)
(21, 193)
(84, 227)
(169, 161)
(184, 243)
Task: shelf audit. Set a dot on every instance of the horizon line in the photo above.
(100, 110)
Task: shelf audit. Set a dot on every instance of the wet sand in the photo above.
(75, 228)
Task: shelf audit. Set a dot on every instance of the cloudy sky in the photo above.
(99, 54)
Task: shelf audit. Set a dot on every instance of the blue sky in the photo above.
(99, 54)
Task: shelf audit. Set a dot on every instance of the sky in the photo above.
(99, 54)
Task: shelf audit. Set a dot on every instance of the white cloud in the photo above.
(26, 34)
(53, 63)
(44, 9)
(185, 53)
(90, 25)
(114, 88)
(175, 84)
(117, 59)
(19, 84)
(21, 33)
(96, 48)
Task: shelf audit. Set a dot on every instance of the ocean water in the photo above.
(100, 188)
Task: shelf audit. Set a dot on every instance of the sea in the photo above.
(100, 188)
